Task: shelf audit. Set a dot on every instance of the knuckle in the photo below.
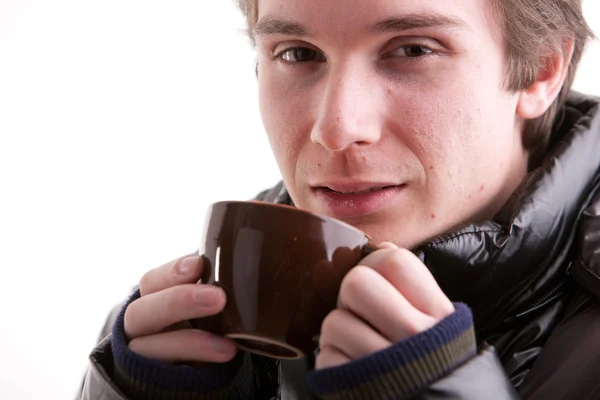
(135, 345)
(446, 309)
(400, 258)
(329, 356)
(332, 328)
(324, 351)
(413, 326)
(354, 287)
(390, 259)
(329, 323)
(131, 318)
(146, 282)
(354, 281)
(397, 262)
(177, 299)
(323, 357)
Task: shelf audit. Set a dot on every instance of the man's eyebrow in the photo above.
(419, 20)
(270, 25)
(276, 26)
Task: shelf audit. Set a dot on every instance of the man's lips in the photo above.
(354, 187)
(357, 192)
(356, 199)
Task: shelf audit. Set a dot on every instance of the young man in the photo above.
(443, 127)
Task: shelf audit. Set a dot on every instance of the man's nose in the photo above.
(349, 111)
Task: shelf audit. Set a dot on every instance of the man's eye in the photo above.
(411, 51)
(300, 55)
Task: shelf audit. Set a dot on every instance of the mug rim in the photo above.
(266, 204)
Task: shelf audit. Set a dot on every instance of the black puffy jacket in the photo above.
(531, 277)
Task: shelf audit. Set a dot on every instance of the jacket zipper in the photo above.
(542, 301)
(545, 299)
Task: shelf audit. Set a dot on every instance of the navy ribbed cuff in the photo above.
(404, 368)
(142, 374)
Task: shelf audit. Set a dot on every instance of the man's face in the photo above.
(390, 114)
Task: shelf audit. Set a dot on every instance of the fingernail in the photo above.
(221, 345)
(187, 264)
(206, 295)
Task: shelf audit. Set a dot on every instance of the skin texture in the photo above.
(342, 102)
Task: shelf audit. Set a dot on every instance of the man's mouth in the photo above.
(357, 192)
(356, 199)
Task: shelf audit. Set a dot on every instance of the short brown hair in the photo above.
(533, 29)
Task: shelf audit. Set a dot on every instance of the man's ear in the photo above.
(537, 98)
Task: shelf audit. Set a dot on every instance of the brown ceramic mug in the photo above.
(281, 269)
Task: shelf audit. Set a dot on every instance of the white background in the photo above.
(120, 121)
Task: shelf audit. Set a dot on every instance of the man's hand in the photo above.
(156, 323)
(389, 297)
